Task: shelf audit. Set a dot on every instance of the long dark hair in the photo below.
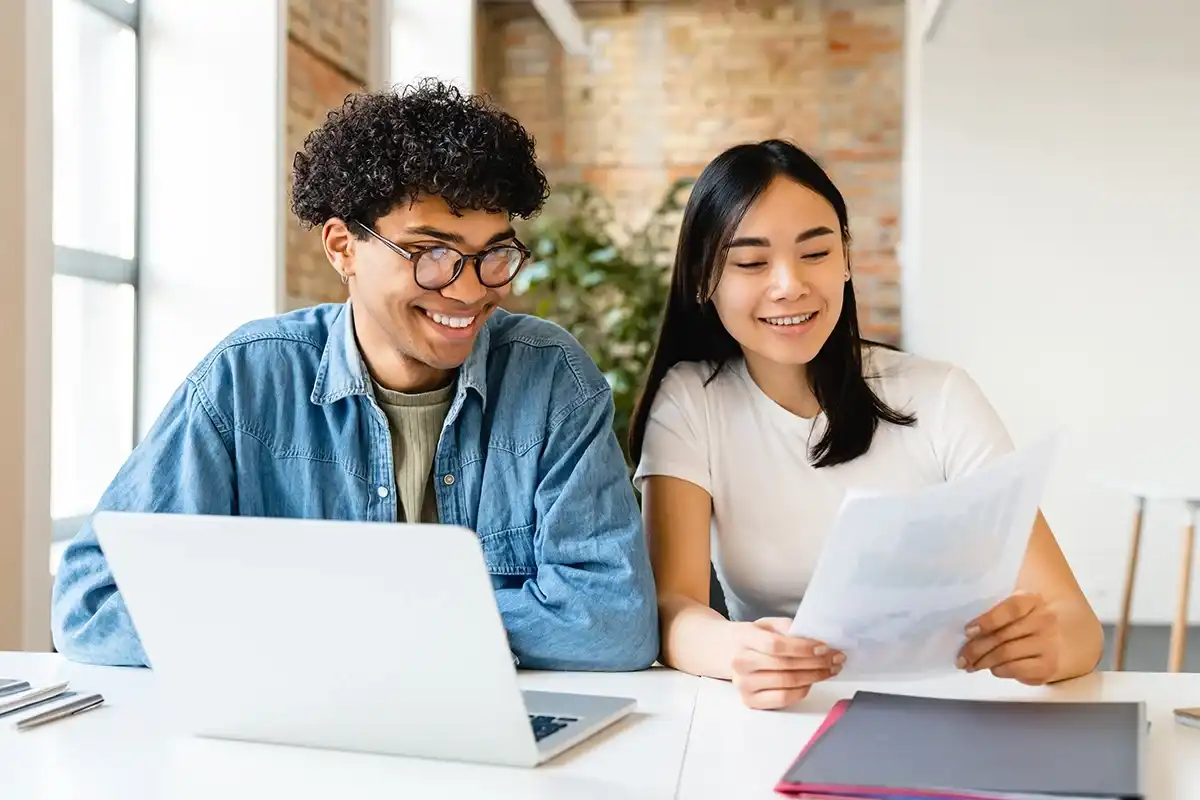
(691, 331)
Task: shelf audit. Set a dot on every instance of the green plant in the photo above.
(604, 282)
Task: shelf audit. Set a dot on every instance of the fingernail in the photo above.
(961, 662)
(820, 650)
(836, 669)
(973, 630)
(840, 658)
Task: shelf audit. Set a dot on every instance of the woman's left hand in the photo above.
(1019, 638)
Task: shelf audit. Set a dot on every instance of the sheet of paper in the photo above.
(901, 575)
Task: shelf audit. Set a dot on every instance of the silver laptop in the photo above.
(371, 637)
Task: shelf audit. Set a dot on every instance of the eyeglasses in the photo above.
(439, 266)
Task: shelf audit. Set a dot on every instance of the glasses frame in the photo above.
(412, 254)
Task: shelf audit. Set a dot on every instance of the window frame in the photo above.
(103, 267)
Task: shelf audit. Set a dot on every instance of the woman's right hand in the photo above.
(772, 669)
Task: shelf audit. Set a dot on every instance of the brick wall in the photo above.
(327, 58)
(670, 84)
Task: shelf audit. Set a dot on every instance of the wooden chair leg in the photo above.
(1127, 596)
(1179, 629)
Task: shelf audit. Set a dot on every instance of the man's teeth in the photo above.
(784, 321)
(448, 321)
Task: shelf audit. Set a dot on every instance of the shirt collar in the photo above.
(342, 372)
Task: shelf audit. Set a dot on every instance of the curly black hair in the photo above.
(384, 148)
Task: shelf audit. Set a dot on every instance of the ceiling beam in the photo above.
(935, 14)
(565, 24)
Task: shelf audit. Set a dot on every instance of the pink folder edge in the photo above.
(804, 791)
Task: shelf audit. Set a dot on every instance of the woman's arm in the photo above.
(694, 638)
(1046, 631)
(1045, 572)
(770, 668)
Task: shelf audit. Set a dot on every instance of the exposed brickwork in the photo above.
(335, 30)
(667, 86)
(327, 58)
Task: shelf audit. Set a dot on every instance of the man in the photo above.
(417, 400)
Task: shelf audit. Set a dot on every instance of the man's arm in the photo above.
(182, 466)
(591, 603)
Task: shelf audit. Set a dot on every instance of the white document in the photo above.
(901, 575)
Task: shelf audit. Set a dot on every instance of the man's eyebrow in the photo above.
(435, 233)
(455, 238)
(503, 236)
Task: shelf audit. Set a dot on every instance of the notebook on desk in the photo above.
(897, 747)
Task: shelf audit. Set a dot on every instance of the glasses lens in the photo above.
(500, 265)
(435, 268)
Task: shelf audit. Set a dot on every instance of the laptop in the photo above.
(361, 636)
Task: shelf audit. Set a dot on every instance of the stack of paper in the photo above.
(902, 747)
(902, 574)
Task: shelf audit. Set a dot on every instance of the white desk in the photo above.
(690, 739)
(127, 750)
(736, 752)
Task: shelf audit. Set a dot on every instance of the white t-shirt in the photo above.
(771, 508)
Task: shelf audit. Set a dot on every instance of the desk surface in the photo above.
(735, 753)
(690, 739)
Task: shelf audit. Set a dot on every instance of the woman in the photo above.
(763, 405)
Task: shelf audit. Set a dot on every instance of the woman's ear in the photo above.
(339, 247)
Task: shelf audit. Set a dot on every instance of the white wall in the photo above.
(1056, 254)
(213, 189)
(433, 39)
(26, 178)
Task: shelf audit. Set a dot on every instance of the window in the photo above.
(95, 253)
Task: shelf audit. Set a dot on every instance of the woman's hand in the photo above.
(772, 669)
(1019, 638)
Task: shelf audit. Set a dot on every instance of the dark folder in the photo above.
(905, 746)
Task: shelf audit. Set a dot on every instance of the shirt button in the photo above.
(448, 480)
(382, 491)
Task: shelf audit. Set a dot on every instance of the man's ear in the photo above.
(339, 247)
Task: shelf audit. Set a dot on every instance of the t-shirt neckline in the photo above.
(781, 416)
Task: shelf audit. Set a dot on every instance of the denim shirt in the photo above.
(279, 420)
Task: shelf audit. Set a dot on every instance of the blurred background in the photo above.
(1021, 176)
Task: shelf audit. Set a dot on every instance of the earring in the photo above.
(345, 278)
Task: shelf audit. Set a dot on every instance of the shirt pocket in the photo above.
(297, 484)
(509, 552)
(502, 487)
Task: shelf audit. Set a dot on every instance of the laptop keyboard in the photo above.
(543, 726)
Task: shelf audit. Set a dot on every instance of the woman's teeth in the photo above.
(785, 321)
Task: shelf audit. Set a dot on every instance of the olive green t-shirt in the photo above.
(415, 421)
